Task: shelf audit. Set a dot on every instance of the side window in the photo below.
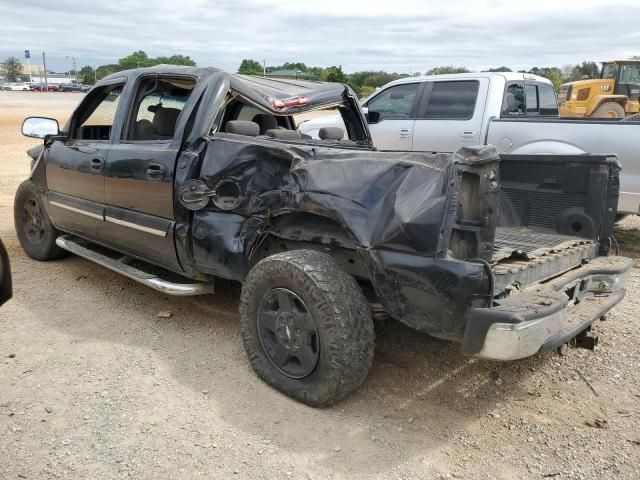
(531, 92)
(394, 103)
(452, 100)
(541, 99)
(157, 106)
(95, 118)
(548, 100)
(513, 103)
(247, 113)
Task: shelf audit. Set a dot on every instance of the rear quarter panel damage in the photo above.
(390, 207)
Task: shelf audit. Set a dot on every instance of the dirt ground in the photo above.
(94, 385)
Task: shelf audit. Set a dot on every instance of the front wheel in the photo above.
(609, 110)
(306, 327)
(36, 233)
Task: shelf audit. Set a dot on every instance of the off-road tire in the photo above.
(44, 247)
(609, 110)
(341, 312)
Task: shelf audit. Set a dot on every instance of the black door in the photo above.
(76, 163)
(140, 170)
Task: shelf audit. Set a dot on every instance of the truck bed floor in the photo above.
(522, 256)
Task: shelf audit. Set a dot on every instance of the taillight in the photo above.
(289, 102)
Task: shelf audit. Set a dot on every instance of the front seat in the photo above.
(164, 122)
(265, 122)
(143, 130)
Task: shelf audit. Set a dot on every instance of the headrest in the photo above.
(242, 127)
(510, 103)
(283, 134)
(265, 121)
(164, 121)
(330, 133)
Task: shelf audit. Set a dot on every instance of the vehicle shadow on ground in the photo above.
(420, 391)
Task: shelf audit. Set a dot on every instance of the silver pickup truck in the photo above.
(516, 112)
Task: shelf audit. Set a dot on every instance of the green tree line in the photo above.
(366, 82)
(363, 82)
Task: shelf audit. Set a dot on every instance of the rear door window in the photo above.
(157, 106)
(454, 100)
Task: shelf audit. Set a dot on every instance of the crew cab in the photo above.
(516, 112)
(203, 174)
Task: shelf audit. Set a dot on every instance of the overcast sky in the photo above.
(393, 35)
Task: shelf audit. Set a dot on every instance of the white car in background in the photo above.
(16, 86)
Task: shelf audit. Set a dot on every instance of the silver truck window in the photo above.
(452, 100)
(541, 99)
(547, 99)
(513, 103)
(531, 92)
(395, 102)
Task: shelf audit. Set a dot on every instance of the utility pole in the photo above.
(27, 54)
(75, 72)
(264, 68)
(44, 66)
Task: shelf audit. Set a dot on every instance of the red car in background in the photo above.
(41, 87)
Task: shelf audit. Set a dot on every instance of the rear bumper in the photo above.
(547, 315)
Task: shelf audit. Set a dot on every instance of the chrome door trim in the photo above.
(124, 223)
(76, 210)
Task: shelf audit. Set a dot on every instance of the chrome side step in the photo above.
(66, 242)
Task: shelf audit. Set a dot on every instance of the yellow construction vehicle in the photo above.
(614, 95)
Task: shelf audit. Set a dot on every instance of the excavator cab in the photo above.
(627, 78)
(615, 94)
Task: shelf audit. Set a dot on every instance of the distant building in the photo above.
(292, 75)
(37, 74)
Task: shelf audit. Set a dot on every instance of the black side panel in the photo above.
(573, 195)
(5, 275)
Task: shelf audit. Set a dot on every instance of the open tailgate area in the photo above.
(552, 276)
(556, 213)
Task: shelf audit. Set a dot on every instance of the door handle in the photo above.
(156, 171)
(97, 164)
(468, 134)
(404, 132)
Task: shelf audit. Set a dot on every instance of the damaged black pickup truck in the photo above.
(203, 174)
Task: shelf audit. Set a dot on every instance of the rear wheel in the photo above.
(609, 110)
(306, 327)
(36, 233)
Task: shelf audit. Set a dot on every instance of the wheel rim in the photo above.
(33, 224)
(288, 333)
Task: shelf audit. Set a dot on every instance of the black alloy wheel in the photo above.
(288, 333)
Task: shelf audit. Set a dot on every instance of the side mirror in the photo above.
(372, 116)
(40, 127)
